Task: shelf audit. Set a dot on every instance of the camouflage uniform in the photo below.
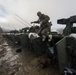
(45, 25)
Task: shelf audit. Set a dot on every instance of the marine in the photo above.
(45, 25)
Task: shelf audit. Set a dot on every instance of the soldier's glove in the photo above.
(32, 22)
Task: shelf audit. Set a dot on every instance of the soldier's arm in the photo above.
(35, 21)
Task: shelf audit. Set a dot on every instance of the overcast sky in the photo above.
(27, 9)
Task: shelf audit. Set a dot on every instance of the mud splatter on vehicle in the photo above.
(24, 63)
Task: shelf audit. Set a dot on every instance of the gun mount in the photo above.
(69, 25)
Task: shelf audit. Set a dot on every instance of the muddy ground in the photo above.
(24, 63)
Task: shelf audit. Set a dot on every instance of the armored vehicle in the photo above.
(66, 47)
(59, 48)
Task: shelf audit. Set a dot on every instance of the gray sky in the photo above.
(27, 9)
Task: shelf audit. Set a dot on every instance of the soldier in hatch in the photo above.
(45, 25)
